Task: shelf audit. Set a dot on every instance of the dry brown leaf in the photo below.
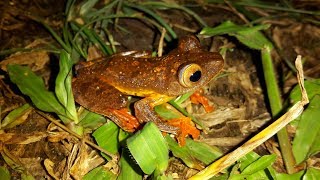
(35, 60)
(48, 164)
(86, 160)
(18, 138)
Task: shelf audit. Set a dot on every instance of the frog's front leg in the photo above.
(144, 111)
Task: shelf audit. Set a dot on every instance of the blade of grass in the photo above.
(154, 15)
(87, 6)
(55, 35)
(174, 5)
(104, 11)
(93, 37)
(278, 8)
(276, 107)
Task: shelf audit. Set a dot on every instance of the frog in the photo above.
(105, 85)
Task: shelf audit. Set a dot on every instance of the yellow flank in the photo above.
(156, 98)
(135, 92)
(159, 99)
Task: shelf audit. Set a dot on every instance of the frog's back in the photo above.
(159, 75)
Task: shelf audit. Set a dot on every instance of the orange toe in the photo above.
(186, 128)
(198, 98)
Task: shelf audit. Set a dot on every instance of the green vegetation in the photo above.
(80, 32)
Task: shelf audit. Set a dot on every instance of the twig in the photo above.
(114, 157)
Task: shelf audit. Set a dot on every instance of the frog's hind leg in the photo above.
(100, 97)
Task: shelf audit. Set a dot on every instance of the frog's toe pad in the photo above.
(186, 128)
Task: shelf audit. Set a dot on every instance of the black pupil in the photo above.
(195, 76)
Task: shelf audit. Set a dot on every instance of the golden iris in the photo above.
(189, 75)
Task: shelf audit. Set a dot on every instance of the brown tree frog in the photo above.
(103, 86)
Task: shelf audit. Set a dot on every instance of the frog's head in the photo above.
(194, 66)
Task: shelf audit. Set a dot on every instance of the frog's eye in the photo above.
(189, 74)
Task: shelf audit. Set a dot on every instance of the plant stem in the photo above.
(276, 107)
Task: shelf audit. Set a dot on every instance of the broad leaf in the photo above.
(16, 117)
(149, 149)
(249, 36)
(311, 174)
(129, 170)
(260, 164)
(63, 87)
(107, 137)
(252, 166)
(307, 138)
(194, 152)
(90, 119)
(33, 86)
(4, 173)
(99, 173)
(295, 176)
(312, 88)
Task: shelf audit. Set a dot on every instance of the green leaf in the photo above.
(128, 168)
(99, 173)
(26, 176)
(202, 151)
(154, 15)
(91, 120)
(295, 176)
(248, 159)
(173, 110)
(312, 88)
(33, 86)
(254, 39)
(63, 87)
(193, 152)
(15, 117)
(180, 99)
(307, 139)
(311, 174)
(4, 173)
(166, 111)
(249, 36)
(149, 149)
(87, 6)
(260, 164)
(252, 167)
(107, 137)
